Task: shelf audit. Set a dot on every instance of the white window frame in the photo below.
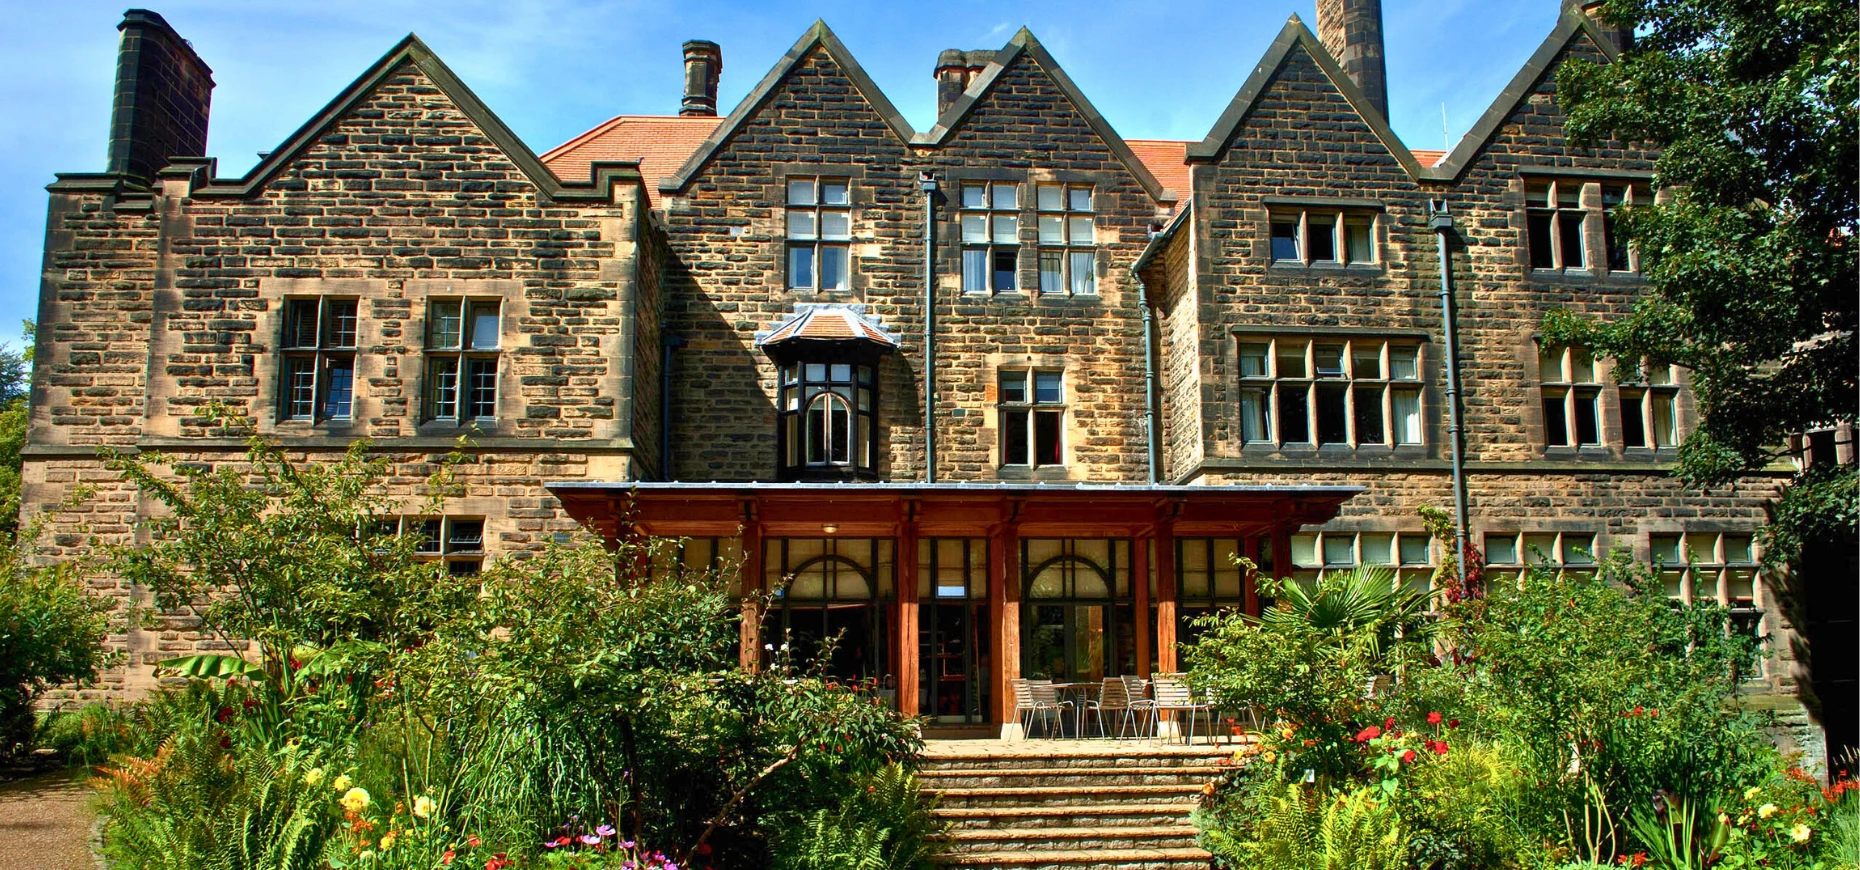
(1317, 553)
(1567, 551)
(1652, 403)
(325, 352)
(1265, 397)
(466, 356)
(445, 539)
(990, 227)
(1614, 194)
(1569, 377)
(819, 229)
(1031, 409)
(1067, 222)
(1311, 223)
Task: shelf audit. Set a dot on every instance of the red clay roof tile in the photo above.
(660, 143)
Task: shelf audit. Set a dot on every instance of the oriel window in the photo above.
(819, 234)
(319, 359)
(828, 419)
(462, 350)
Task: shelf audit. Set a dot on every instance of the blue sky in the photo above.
(553, 68)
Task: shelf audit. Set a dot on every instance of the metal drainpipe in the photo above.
(927, 182)
(1441, 222)
(1149, 379)
(667, 344)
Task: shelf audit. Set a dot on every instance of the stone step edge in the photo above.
(1108, 833)
(1153, 809)
(952, 772)
(1094, 856)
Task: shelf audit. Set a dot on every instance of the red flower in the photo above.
(1440, 747)
(497, 862)
(1653, 712)
(703, 849)
(446, 859)
(473, 841)
(1453, 723)
(1638, 709)
(1407, 757)
(1389, 722)
(1433, 718)
(1368, 734)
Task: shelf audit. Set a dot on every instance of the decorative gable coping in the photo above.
(1296, 35)
(1024, 42)
(1470, 146)
(819, 35)
(198, 172)
(828, 321)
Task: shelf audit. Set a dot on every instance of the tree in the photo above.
(15, 388)
(1751, 258)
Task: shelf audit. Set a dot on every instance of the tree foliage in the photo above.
(1751, 256)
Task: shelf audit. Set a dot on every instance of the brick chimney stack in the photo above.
(1622, 37)
(703, 66)
(1351, 31)
(163, 93)
(955, 68)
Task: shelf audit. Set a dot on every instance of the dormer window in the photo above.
(826, 396)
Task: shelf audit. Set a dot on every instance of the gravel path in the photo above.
(45, 822)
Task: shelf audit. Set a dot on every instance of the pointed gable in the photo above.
(405, 76)
(818, 54)
(1026, 62)
(1574, 32)
(1297, 49)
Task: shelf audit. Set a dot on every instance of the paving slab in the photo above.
(45, 822)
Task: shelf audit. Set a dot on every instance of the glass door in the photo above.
(953, 654)
(1078, 621)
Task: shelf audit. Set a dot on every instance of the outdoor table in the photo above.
(1079, 693)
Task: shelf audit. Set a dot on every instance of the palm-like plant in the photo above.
(1363, 605)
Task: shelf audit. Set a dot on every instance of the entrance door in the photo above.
(953, 654)
(831, 595)
(1078, 621)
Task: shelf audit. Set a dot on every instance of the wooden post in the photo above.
(1004, 615)
(904, 658)
(750, 630)
(1140, 568)
(1165, 597)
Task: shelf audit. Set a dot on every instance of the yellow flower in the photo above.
(1800, 833)
(1765, 811)
(1751, 792)
(1271, 757)
(423, 807)
(1287, 733)
(387, 841)
(355, 800)
(313, 776)
(1724, 820)
(341, 783)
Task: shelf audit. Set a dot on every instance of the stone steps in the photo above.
(1117, 805)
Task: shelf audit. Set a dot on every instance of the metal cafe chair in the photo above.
(1113, 697)
(1037, 700)
(1137, 689)
(1173, 696)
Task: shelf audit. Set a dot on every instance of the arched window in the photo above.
(828, 420)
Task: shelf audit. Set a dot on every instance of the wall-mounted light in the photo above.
(829, 528)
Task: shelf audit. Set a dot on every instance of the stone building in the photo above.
(1142, 358)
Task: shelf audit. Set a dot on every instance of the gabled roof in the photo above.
(1024, 42)
(1167, 159)
(1296, 35)
(411, 51)
(817, 36)
(827, 321)
(1572, 25)
(661, 144)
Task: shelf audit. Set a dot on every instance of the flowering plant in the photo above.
(585, 847)
(1389, 749)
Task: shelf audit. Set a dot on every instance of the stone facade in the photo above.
(167, 289)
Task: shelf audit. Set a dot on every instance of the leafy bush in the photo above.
(89, 735)
(884, 825)
(52, 628)
(1303, 828)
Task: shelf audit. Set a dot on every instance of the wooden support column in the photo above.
(904, 658)
(1004, 616)
(1140, 582)
(750, 630)
(1165, 596)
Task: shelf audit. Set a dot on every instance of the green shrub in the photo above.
(89, 735)
(52, 628)
(884, 824)
(1315, 828)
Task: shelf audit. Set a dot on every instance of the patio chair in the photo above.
(1036, 700)
(1114, 697)
(1137, 689)
(1173, 696)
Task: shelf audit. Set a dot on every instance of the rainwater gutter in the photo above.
(1440, 220)
(927, 183)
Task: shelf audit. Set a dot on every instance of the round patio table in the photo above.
(1078, 694)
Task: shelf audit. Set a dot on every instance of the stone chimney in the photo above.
(955, 68)
(703, 65)
(163, 91)
(1351, 31)
(1622, 37)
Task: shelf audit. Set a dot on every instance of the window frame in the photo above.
(1031, 410)
(459, 561)
(1633, 194)
(992, 244)
(1069, 246)
(1360, 544)
(1647, 400)
(817, 243)
(1268, 390)
(1340, 220)
(1522, 543)
(467, 358)
(324, 352)
(1558, 215)
(798, 390)
(1723, 563)
(1569, 394)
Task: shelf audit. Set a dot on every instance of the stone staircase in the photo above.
(1069, 804)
